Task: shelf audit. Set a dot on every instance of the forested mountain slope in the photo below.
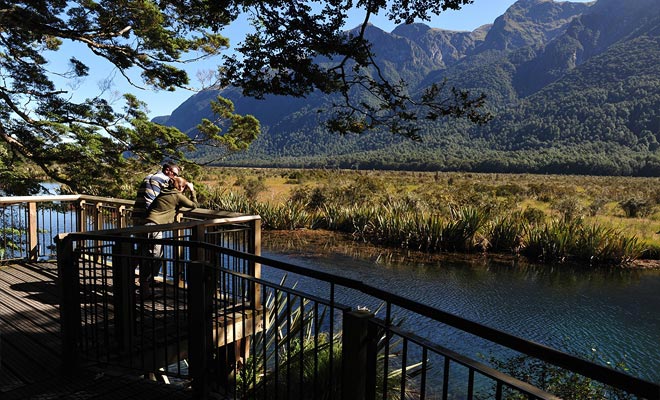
(573, 88)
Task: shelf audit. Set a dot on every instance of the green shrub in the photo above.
(569, 208)
(312, 198)
(596, 205)
(634, 208)
(533, 216)
(253, 187)
(510, 189)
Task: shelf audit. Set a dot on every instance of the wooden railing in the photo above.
(28, 224)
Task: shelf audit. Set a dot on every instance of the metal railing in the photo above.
(105, 319)
(223, 319)
(227, 330)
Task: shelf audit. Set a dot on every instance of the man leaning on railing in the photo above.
(150, 188)
(163, 210)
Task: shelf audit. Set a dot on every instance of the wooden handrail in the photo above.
(90, 213)
(68, 197)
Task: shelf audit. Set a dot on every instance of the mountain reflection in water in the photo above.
(610, 313)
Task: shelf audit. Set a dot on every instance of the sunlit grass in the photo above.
(641, 228)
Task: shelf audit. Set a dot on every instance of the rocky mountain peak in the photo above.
(530, 22)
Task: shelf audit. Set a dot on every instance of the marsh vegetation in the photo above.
(546, 218)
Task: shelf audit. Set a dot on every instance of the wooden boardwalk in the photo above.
(30, 347)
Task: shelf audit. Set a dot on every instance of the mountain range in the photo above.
(572, 87)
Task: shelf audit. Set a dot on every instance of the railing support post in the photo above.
(123, 288)
(67, 268)
(121, 217)
(33, 240)
(197, 235)
(82, 217)
(200, 334)
(255, 268)
(98, 216)
(358, 356)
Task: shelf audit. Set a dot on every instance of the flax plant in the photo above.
(626, 250)
(505, 233)
(430, 229)
(303, 361)
(287, 216)
(551, 242)
(363, 217)
(393, 226)
(231, 201)
(462, 231)
(571, 240)
(299, 361)
(598, 244)
(337, 218)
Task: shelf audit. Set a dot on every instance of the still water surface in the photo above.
(612, 315)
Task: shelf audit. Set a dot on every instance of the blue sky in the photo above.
(163, 103)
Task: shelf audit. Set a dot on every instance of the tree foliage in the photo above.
(89, 145)
(297, 47)
(300, 47)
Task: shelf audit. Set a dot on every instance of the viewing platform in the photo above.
(92, 308)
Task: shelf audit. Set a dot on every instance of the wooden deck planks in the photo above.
(30, 346)
(97, 385)
(42, 288)
(30, 329)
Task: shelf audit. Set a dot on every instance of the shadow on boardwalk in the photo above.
(31, 347)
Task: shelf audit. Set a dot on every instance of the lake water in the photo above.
(610, 314)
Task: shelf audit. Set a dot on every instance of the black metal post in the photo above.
(123, 287)
(356, 352)
(70, 322)
(200, 334)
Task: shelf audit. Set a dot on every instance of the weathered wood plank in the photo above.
(41, 287)
(26, 313)
(95, 384)
(26, 366)
(9, 380)
(30, 324)
(30, 330)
